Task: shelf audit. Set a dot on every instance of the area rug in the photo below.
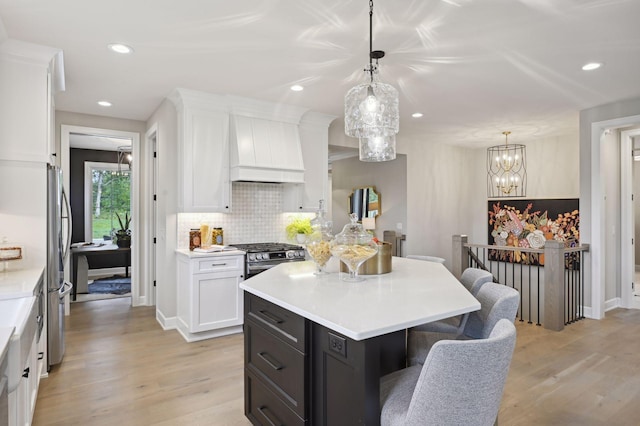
(111, 285)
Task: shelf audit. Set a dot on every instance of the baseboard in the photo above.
(587, 312)
(203, 335)
(166, 323)
(610, 304)
(139, 301)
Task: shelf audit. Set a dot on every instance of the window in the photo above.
(107, 192)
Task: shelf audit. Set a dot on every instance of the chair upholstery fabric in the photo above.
(496, 302)
(472, 279)
(460, 383)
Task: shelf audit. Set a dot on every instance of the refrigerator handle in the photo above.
(67, 207)
(65, 289)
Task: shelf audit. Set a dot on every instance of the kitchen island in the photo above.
(316, 347)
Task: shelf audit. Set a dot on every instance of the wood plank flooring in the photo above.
(121, 368)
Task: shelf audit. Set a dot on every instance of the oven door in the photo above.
(255, 268)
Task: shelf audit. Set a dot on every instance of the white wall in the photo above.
(23, 211)
(592, 226)
(165, 117)
(552, 172)
(390, 180)
(610, 163)
(636, 201)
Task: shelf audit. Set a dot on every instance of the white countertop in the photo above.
(196, 254)
(415, 292)
(19, 283)
(5, 336)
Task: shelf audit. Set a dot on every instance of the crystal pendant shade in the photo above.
(371, 111)
(378, 148)
(506, 170)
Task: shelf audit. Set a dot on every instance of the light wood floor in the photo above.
(121, 368)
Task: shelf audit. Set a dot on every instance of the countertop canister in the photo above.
(378, 264)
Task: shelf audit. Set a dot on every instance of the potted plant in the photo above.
(123, 235)
(298, 229)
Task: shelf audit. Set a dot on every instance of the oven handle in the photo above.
(261, 268)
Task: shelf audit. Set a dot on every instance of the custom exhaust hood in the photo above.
(265, 150)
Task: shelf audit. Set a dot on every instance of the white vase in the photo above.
(301, 238)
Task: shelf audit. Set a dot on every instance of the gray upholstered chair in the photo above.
(497, 301)
(427, 258)
(460, 383)
(472, 279)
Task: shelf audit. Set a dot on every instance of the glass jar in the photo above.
(353, 246)
(318, 242)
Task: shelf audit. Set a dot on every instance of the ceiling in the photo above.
(473, 68)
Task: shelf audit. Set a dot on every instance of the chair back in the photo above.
(474, 278)
(462, 381)
(497, 301)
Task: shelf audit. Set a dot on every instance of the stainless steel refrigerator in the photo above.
(58, 243)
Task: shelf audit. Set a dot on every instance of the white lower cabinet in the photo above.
(210, 301)
(22, 401)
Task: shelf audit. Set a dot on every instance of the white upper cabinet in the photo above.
(203, 152)
(30, 75)
(314, 138)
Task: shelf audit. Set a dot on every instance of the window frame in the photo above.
(89, 167)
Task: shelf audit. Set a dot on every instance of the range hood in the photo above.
(264, 150)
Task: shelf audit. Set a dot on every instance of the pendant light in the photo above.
(371, 110)
(506, 170)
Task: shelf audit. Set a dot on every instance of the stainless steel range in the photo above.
(262, 256)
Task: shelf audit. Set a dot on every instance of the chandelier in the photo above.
(371, 110)
(124, 157)
(506, 170)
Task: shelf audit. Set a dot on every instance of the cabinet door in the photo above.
(314, 139)
(218, 301)
(23, 110)
(206, 185)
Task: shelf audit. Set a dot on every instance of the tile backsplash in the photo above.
(256, 217)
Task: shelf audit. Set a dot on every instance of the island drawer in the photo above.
(285, 324)
(278, 364)
(263, 407)
(220, 263)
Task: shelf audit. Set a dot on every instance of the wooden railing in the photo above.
(550, 280)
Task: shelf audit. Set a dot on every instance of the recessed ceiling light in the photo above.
(591, 66)
(121, 48)
(104, 103)
(297, 88)
(417, 115)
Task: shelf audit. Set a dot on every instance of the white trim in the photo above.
(627, 248)
(610, 304)
(151, 138)
(89, 166)
(597, 212)
(65, 131)
(167, 323)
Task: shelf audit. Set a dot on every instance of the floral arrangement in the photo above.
(298, 225)
(530, 229)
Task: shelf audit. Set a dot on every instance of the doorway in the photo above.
(139, 291)
(630, 217)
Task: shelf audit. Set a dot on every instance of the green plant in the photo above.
(124, 226)
(299, 225)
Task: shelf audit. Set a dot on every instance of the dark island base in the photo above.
(298, 372)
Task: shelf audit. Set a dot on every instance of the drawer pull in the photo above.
(275, 365)
(272, 318)
(218, 264)
(263, 410)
